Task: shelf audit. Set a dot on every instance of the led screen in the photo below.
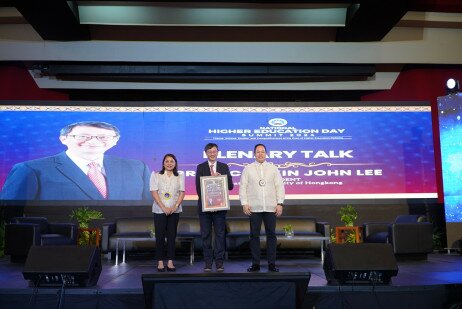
(449, 108)
(328, 152)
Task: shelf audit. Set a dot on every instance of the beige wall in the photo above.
(454, 235)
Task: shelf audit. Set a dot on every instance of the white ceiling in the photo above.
(419, 38)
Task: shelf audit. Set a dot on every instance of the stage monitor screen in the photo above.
(324, 151)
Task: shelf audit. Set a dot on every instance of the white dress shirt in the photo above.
(83, 164)
(261, 198)
(167, 184)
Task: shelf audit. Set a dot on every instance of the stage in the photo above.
(434, 283)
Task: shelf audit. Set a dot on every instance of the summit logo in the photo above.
(277, 122)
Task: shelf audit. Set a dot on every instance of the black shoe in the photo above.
(253, 268)
(171, 269)
(273, 268)
(220, 267)
(207, 268)
(161, 269)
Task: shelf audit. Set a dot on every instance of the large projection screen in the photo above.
(449, 112)
(449, 108)
(324, 151)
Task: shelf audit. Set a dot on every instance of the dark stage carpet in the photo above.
(434, 283)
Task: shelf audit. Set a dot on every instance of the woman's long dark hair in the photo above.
(175, 169)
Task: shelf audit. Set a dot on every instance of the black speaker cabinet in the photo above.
(226, 290)
(365, 263)
(69, 266)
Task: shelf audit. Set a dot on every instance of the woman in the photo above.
(167, 189)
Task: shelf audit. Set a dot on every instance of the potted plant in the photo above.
(348, 215)
(84, 216)
(288, 230)
(152, 231)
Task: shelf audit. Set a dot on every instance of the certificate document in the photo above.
(214, 192)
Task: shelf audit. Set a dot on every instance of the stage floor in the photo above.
(440, 275)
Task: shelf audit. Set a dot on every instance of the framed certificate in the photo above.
(214, 192)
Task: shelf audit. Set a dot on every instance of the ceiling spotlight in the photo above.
(452, 86)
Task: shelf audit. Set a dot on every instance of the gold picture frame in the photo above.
(214, 193)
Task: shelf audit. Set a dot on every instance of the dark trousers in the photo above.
(165, 226)
(215, 221)
(269, 220)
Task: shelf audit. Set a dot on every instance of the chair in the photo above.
(410, 235)
(24, 232)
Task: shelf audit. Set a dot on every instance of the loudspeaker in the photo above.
(360, 263)
(70, 266)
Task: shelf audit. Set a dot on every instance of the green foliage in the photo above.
(86, 238)
(288, 228)
(152, 230)
(333, 237)
(348, 215)
(350, 237)
(437, 239)
(84, 216)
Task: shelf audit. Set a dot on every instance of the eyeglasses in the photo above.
(86, 138)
